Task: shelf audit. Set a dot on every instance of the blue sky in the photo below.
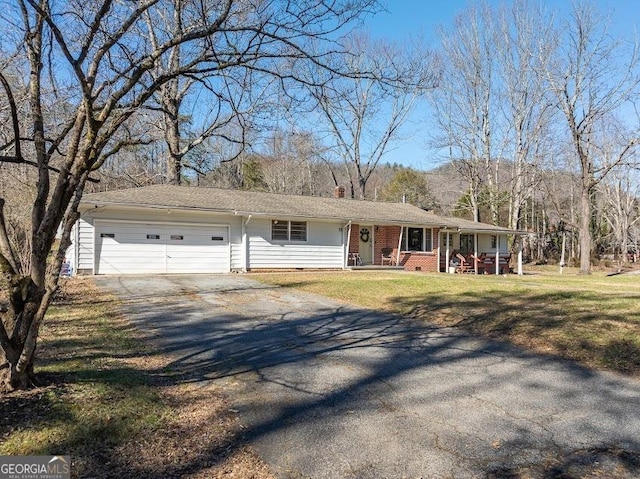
(411, 17)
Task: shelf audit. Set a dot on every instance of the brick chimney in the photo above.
(338, 192)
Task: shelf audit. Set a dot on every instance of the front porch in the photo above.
(429, 249)
(409, 248)
(478, 252)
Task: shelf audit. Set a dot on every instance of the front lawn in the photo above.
(594, 319)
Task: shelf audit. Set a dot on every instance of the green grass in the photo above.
(97, 400)
(593, 319)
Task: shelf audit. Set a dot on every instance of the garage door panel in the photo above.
(124, 248)
(198, 250)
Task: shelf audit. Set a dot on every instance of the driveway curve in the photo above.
(328, 390)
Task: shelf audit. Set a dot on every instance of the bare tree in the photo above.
(521, 42)
(620, 196)
(592, 77)
(362, 115)
(91, 58)
(196, 108)
(464, 106)
(292, 163)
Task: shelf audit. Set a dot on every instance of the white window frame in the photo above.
(424, 239)
(289, 239)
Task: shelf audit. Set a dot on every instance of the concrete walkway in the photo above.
(327, 390)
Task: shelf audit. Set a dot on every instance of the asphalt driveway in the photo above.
(327, 390)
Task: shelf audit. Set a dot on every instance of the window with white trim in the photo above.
(279, 230)
(298, 230)
(283, 230)
(418, 239)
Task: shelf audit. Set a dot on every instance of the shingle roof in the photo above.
(243, 202)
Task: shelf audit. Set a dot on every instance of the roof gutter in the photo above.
(483, 230)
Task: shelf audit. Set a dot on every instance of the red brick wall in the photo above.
(422, 261)
(354, 239)
(388, 236)
(385, 236)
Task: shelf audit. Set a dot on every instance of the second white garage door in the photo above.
(133, 248)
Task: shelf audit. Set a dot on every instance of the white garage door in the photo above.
(130, 248)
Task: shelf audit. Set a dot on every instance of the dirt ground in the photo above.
(199, 437)
(201, 441)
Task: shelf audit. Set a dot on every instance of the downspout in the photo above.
(245, 244)
(399, 246)
(346, 247)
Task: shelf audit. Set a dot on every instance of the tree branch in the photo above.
(13, 159)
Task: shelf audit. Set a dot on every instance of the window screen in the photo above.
(298, 231)
(428, 241)
(279, 230)
(414, 239)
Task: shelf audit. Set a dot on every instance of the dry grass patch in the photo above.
(594, 319)
(107, 403)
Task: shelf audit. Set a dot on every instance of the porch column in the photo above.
(520, 254)
(497, 253)
(373, 245)
(446, 261)
(399, 246)
(347, 245)
(475, 253)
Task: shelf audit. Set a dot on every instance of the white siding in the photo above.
(85, 247)
(235, 236)
(323, 248)
(484, 244)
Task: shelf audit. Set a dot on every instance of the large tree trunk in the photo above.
(25, 306)
(172, 136)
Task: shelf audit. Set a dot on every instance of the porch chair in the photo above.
(503, 267)
(480, 262)
(386, 256)
(465, 265)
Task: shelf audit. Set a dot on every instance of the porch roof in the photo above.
(460, 225)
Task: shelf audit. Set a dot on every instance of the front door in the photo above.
(366, 244)
(467, 245)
